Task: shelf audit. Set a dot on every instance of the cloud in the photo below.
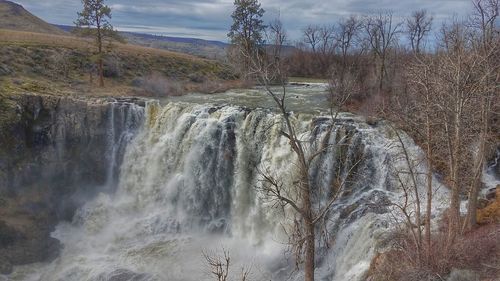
(210, 19)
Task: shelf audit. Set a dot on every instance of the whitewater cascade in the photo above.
(188, 183)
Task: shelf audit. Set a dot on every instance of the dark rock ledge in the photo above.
(54, 155)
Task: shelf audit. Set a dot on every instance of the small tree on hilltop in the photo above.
(247, 31)
(93, 21)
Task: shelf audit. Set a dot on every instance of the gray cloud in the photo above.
(210, 19)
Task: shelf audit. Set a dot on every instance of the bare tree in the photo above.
(346, 32)
(463, 75)
(299, 197)
(484, 23)
(421, 122)
(446, 91)
(408, 179)
(382, 34)
(484, 19)
(312, 37)
(418, 27)
(321, 43)
(220, 265)
(419, 115)
(277, 38)
(343, 81)
(327, 40)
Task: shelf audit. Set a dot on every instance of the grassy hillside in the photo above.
(14, 16)
(49, 63)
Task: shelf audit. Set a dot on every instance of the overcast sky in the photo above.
(210, 19)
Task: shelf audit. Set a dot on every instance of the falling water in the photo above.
(189, 183)
(123, 121)
(491, 175)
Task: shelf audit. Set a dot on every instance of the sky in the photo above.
(211, 19)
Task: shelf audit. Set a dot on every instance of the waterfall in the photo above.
(188, 183)
(123, 121)
(491, 174)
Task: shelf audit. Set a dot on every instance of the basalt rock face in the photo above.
(55, 153)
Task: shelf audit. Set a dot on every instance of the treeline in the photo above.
(370, 54)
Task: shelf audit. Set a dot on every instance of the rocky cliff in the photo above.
(55, 153)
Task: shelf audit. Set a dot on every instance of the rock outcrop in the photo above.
(55, 152)
(490, 213)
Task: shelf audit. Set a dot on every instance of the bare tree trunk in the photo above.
(310, 251)
(478, 167)
(454, 211)
(429, 187)
(101, 73)
(414, 182)
(309, 227)
(100, 63)
(382, 69)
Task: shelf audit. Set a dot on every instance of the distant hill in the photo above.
(14, 16)
(198, 47)
(193, 46)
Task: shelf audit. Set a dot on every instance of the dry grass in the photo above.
(13, 37)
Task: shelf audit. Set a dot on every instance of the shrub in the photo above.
(113, 67)
(477, 252)
(159, 86)
(197, 78)
(60, 65)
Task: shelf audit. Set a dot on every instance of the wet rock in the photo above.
(39, 249)
(5, 266)
(7, 235)
(376, 202)
(491, 194)
(127, 275)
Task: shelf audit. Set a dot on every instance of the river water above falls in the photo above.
(188, 183)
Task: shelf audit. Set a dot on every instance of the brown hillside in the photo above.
(14, 16)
